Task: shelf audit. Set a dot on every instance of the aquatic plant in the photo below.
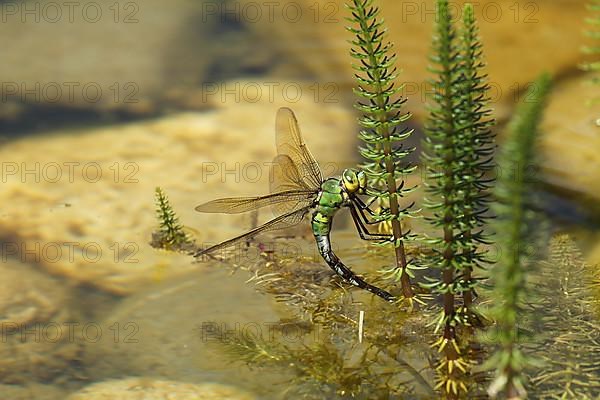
(320, 369)
(458, 152)
(476, 152)
(440, 158)
(326, 359)
(515, 232)
(170, 235)
(570, 349)
(382, 133)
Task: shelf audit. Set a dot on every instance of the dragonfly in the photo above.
(297, 189)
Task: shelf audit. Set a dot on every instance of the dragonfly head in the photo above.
(354, 181)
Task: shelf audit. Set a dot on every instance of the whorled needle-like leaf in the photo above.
(382, 133)
(515, 227)
(171, 234)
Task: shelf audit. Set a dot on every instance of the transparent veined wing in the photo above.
(283, 221)
(236, 205)
(285, 177)
(290, 143)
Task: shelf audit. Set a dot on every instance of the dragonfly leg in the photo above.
(368, 204)
(365, 207)
(362, 207)
(365, 219)
(362, 229)
(360, 204)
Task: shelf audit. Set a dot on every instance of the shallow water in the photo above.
(187, 99)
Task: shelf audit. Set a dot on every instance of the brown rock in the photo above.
(571, 138)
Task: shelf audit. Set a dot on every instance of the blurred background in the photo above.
(102, 101)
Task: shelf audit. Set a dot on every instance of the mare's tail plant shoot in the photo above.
(475, 159)
(515, 229)
(170, 235)
(458, 153)
(382, 131)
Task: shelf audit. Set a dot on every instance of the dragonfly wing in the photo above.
(236, 205)
(281, 222)
(289, 142)
(285, 175)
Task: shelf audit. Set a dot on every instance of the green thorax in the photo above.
(331, 199)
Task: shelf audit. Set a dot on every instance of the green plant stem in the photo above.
(477, 148)
(448, 190)
(514, 233)
(384, 131)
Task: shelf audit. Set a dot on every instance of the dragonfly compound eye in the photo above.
(350, 180)
(362, 179)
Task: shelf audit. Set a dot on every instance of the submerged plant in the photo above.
(382, 130)
(320, 369)
(170, 235)
(571, 349)
(326, 359)
(515, 231)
